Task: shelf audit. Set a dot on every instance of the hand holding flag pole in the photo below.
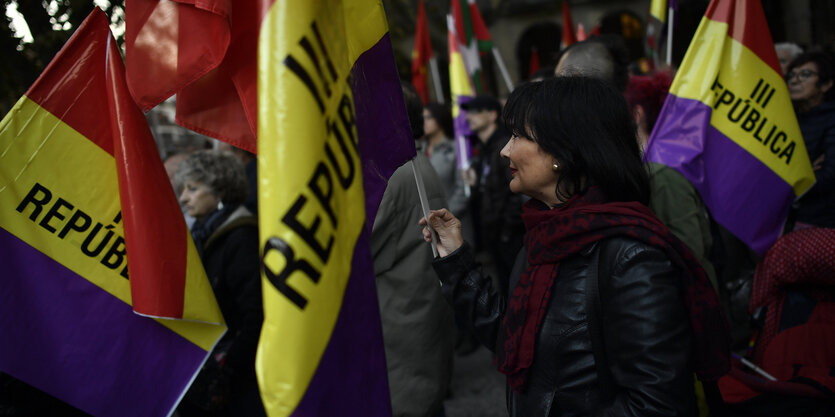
(424, 205)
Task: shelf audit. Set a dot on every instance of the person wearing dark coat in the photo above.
(225, 233)
(608, 313)
(810, 79)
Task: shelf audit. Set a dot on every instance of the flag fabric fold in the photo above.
(203, 51)
(729, 127)
(421, 54)
(95, 245)
(332, 128)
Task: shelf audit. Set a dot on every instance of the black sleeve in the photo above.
(243, 281)
(472, 296)
(647, 336)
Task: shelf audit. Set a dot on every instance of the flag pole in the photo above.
(436, 80)
(503, 69)
(670, 12)
(424, 205)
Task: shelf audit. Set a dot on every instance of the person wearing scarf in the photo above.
(225, 233)
(573, 151)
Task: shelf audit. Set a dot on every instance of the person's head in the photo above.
(786, 52)
(604, 57)
(570, 133)
(645, 96)
(209, 178)
(437, 119)
(483, 113)
(810, 78)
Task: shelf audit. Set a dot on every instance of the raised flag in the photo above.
(461, 90)
(332, 129)
(203, 51)
(658, 10)
(728, 125)
(533, 65)
(421, 54)
(473, 39)
(94, 245)
(568, 36)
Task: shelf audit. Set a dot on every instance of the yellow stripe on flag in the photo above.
(43, 204)
(753, 111)
(307, 144)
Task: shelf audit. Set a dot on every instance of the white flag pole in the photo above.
(436, 80)
(503, 69)
(670, 12)
(424, 205)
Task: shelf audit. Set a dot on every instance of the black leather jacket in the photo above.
(646, 333)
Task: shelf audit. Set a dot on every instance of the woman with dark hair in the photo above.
(608, 313)
(810, 78)
(214, 188)
(440, 149)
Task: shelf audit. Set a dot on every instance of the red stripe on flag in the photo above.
(85, 87)
(746, 20)
(68, 87)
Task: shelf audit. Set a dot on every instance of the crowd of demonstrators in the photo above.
(573, 152)
(499, 221)
(225, 234)
(810, 79)
(418, 326)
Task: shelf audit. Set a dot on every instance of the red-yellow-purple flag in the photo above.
(421, 54)
(729, 127)
(94, 246)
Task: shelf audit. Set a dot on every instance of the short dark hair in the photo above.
(222, 172)
(826, 68)
(584, 123)
(443, 117)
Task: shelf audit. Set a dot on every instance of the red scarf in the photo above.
(554, 235)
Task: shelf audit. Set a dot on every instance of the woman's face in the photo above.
(430, 125)
(803, 84)
(198, 199)
(532, 170)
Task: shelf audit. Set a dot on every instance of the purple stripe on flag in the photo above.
(386, 140)
(742, 193)
(70, 338)
(351, 377)
(462, 130)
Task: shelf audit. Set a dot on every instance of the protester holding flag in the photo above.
(811, 79)
(597, 320)
(226, 235)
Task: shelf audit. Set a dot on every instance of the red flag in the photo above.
(534, 63)
(567, 26)
(203, 51)
(421, 54)
(581, 33)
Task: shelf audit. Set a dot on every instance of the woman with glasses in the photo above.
(810, 79)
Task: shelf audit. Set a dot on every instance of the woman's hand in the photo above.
(448, 229)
